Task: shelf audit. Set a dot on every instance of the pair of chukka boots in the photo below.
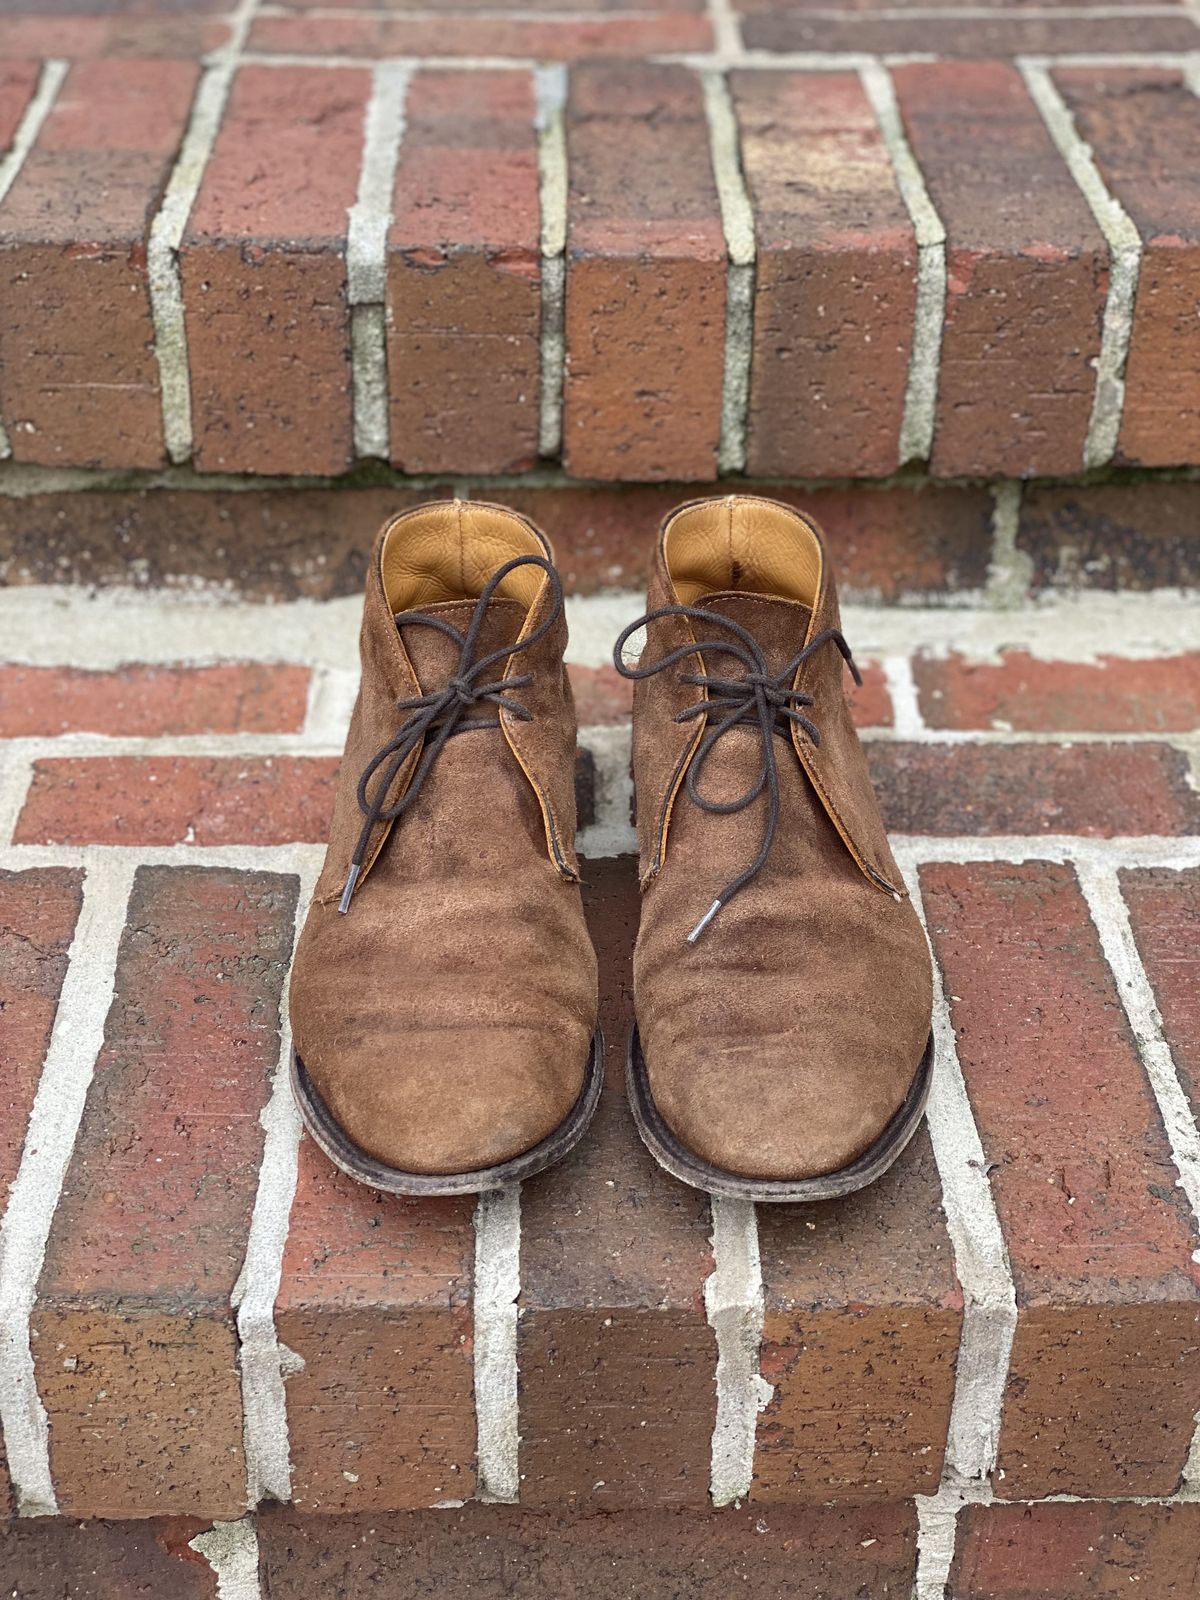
(444, 994)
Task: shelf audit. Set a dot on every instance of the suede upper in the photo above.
(779, 1043)
(446, 1018)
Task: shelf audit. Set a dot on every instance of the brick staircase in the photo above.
(272, 271)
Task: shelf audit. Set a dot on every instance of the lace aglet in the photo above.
(348, 891)
(704, 922)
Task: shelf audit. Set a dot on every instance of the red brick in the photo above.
(1104, 1382)
(264, 274)
(645, 309)
(284, 544)
(1144, 130)
(262, 544)
(18, 82)
(1095, 1551)
(51, 1558)
(464, 276)
(602, 696)
(134, 1336)
(1027, 274)
(38, 909)
(1141, 535)
(617, 1360)
(141, 701)
(860, 1338)
(1164, 908)
(178, 799)
(835, 291)
(81, 38)
(78, 375)
(375, 1298)
(807, 1554)
(870, 702)
(1010, 32)
(532, 38)
(1097, 790)
(1112, 694)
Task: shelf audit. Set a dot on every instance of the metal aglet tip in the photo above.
(348, 891)
(704, 922)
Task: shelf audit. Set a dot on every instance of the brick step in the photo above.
(201, 1314)
(1095, 1551)
(649, 270)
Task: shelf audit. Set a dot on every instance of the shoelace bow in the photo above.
(759, 696)
(440, 711)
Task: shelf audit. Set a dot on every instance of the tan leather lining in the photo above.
(742, 543)
(448, 552)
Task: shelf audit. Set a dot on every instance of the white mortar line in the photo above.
(1191, 64)
(497, 1286)
(366, 256)
(980, 1254)
(907, 721)
(75, 1042)
(40, 105)
(920, 401)
(1125, 254)
(1010, 570)
(231, 1550)
(166, 235)
(261, 1359)
(16, 774)
(550, 89)
(1102, 891)
(737, 221)
(734, 1300)
(331, 696)
(97, 857)
(726, 27)
(612, 833)
(1126, 850)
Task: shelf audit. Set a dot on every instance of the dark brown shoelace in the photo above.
(758, 697)
(440, 711)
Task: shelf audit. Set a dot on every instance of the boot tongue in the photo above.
(435, 656)
(779, 627)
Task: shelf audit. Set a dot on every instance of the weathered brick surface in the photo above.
(1104, 1382)
(178, 799)
(1094, 789)
(133, 1333)
(375, 1300)
(79, 382)
(18, 82)
(1140, 535)
(1144, 130)
(1112, 694)
(241, 697)
(860, 1338)
(1011, 31)
(807, 1554)
(58, 1558)
(1164, 908)
(617, 1360)
(194, 799)
(1026, 272)
(836, 278)
(285, 544)
(1076, 1552)
(264, 274)
(38, 910)
(533, 38)
(645, 309)
(602, 696)
(464, 276)
(175, 37)
(262, 544)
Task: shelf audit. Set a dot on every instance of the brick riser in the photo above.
(633, 283)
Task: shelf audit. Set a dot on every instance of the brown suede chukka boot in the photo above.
(782, 980)
(443, 997)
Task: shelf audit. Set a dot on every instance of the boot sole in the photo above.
(690, 1168)
(375, 1174)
